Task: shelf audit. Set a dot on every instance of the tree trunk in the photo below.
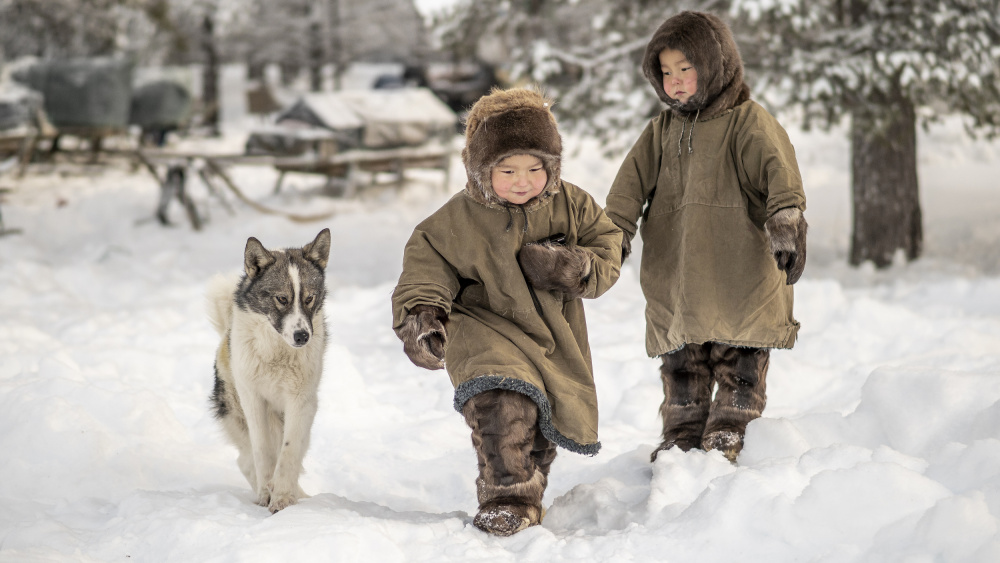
(210, 74)
(887, 213)
(316, 57)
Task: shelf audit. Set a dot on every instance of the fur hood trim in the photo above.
(708, 44)
(505, 123)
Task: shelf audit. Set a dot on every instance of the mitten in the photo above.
(786, 231)
(551, 266)
(424, 336)
(626, 246)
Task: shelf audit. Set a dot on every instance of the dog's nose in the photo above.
(300, 337)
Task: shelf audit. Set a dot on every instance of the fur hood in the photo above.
(504, 123)
(708, 44)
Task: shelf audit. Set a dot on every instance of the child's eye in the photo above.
(536, 169)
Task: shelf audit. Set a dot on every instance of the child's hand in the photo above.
(548, 265)
(786, 231)
(424, 336)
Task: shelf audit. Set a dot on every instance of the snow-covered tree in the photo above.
(50, 29)
(887, 65)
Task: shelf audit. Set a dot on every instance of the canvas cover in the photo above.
(400, 117)
(160, 104)
(379, 118)
(83, 93)
(322, 109)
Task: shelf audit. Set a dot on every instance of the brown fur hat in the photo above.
(708, 44)
(508, 122)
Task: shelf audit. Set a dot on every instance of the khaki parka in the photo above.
(704, 176)
(707, 271)
(502, 333)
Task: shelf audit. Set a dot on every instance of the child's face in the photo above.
(519, 178)
(680, 79)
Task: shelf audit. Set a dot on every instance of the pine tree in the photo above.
(887, 65)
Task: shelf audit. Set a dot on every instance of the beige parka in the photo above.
(704, 177)
(503, 333)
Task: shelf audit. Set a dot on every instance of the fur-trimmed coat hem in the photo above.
(483, 383)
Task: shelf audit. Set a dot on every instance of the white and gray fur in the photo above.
(269, 363)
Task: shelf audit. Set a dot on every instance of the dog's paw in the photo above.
(263, 497)
(282, 501)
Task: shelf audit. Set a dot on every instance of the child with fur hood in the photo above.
(491, 290)
(716, 183)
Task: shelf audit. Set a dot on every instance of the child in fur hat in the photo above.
(716, 183)
(491, 290)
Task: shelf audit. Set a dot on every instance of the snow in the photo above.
(880, 441)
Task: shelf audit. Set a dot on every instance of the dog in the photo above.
(269, 362)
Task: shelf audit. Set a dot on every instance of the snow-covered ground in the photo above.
(880, 441)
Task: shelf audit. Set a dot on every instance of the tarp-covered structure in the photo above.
(363, 119)
(400, 117)
(161, 104)
(83, 94)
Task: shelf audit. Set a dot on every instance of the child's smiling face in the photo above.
(680, 79)
(519, 178)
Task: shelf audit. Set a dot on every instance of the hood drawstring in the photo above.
(510, 217)
(680, 139)
(691, 133)
(683, 125)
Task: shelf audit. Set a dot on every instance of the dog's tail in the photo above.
(219, 301)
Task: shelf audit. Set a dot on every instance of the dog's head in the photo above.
(286, 286)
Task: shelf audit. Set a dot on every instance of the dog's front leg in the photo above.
(299, 415)
(255, 410)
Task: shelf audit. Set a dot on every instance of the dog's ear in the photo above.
(318, 251)
(256, 258)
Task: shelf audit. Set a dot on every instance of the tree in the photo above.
(50, 29)
(886, 64)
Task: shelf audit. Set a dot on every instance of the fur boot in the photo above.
(691, 417)
(741, 374)
(687, 396)
(514, 461)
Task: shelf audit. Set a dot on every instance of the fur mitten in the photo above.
(424, 336)
(786, 231)
(626, 246)
(551, 266)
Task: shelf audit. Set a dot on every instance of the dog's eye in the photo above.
(309, 300)
(281, 299)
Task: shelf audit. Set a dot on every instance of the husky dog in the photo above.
(269, 363)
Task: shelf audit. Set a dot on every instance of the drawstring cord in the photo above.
(691, 133)
(680, 139)
(510, 217)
